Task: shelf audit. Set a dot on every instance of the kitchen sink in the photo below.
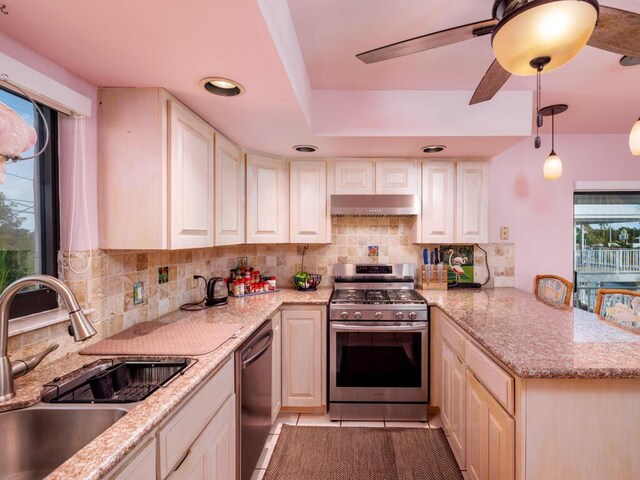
(35, 441)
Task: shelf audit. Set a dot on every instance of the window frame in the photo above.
(43, 299)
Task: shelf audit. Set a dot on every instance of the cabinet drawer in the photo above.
(493, 377)
(455, 340)
(177, 435)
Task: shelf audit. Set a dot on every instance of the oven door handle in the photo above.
(416, 327)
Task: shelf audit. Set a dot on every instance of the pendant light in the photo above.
(552, 168)
(634, 139)
(558, 29)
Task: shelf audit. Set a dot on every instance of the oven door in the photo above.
(378, 361)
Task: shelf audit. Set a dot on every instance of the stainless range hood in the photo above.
(374, 205)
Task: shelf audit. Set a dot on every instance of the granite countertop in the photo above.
(98, 458)
(536, 340)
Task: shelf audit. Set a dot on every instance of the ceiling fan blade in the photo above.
(617, 31)
(490, 84)
(429, 41)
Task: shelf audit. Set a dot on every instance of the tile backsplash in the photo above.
(103, 280)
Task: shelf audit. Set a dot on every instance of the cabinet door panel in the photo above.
(446, 371)
(500, 443)
(191, 179)
(142, 466)
(476, 458)
(229, 193)
(457, 433)
(301, 358)
(309, 216)
(438, 202)
(397, 177)
(354, 177)
(276, 377)
(267, 200)
(472, 192)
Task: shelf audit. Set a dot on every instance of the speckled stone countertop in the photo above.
(98, 459)
(536, 340)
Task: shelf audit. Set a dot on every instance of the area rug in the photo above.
(355, 453)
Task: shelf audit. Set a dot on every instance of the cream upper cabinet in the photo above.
(191, 179)
(309, 220)
(303, 365)
(229, 192)
(267, 199)
(438, 197)
(354, 177)
(472, 202)
(155, 172)
(396, 177)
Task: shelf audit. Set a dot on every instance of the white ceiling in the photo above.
(297, 62)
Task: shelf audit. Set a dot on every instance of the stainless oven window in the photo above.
(379, 359)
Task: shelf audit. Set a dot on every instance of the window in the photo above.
(29, 212)
(607, 244)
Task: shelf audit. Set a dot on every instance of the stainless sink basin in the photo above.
(35, 441)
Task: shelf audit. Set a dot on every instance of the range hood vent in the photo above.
(374, 205)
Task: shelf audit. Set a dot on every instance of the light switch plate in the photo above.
(504, 233)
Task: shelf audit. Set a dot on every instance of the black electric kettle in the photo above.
(217, 292)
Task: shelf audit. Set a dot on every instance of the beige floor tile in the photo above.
(316, 420)
(267, 451)
(407, 424)
(258, 474)
(435, 421)
(284, 418)
(350, 423)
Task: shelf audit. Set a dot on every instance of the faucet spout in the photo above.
(82, 328)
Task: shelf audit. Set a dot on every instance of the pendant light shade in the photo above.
(558, 29)
(634, 139)
(552, 168)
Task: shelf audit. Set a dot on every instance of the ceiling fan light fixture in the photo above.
(558, 29)
(634, 139)
(222, 86)
(552, 167)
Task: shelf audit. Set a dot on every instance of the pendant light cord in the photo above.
(553, 134)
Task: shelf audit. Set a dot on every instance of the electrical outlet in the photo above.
(504, 233)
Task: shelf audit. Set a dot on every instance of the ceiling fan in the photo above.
(528, 36)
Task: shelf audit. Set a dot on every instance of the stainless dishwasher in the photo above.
(253, 394)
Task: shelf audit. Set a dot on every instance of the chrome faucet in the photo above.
(82, 328)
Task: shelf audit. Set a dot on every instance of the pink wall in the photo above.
(81, 235)
(539, 213)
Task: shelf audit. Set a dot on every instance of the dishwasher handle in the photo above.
(253, 358)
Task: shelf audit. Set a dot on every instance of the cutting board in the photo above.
(159, 338)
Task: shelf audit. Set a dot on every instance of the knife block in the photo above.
(432, 283)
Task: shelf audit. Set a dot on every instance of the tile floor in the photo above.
(323, 420)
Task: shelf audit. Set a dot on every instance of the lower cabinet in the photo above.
(141, 464)
(453, 394)
(276, 371)
(199, 440)
(303, 357)
(489, 435)
(212, 455)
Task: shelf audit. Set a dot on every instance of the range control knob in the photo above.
(344, 315)
(412, 315)
(399, 315)
(378, 315)
(357, 315)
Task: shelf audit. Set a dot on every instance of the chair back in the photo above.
(621, 306)
(553, 289)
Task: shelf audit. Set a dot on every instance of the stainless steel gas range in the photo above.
(378, 344)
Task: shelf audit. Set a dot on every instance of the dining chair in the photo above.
(553, 289)
(622, 306)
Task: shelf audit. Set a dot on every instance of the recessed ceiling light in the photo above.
(628, 61)
(222, 86)
(433, 148)
(305, 148)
